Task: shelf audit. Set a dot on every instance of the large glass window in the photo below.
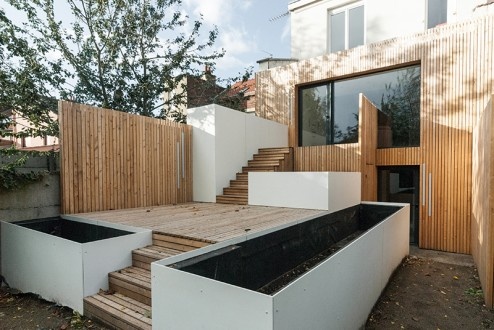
(436, 12)
(329, 112)
(346, 27)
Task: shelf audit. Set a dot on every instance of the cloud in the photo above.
(215, 12)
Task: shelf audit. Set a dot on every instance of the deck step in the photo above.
(266, 160)
(247, 169)
(242, 191)
(269, 156)
(263, 163)
(133, 282)
(118, 311)
(239, 184)
(242, 176)
(143, 257)
(127, 304)
(225, 199)
(179, 243)
(284, 150)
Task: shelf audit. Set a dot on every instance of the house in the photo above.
(242, 95)
(328, 26)
(403, 111)
(19, 124)
(196, 91)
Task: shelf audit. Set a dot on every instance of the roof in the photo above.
(247, 87)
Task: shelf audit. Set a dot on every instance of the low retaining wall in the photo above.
(331, 191)
(338, 293)
(62, 270)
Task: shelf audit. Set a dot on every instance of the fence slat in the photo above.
(113, 160)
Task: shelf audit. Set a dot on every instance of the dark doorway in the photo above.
(400, 184)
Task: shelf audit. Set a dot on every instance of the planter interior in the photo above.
(258, 264)
(80, 232)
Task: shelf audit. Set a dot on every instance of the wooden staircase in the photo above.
(266, 160)
(127, 303)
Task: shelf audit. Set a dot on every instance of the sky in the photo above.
(249, 30)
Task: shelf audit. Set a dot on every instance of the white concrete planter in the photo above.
(62, 270)
(338, 293)
(330, 191)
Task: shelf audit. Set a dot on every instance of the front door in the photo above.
(400, 184)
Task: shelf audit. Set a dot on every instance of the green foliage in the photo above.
(119, 54)
(122, 54)
(402, 105)
(476, 292)
(11, 177)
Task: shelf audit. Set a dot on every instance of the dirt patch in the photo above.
(27, 311)
(424, 294)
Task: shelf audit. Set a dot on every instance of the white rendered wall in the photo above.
(383, 19)
(331, 191)
(223, 140)
(61, 270)
(340, 292)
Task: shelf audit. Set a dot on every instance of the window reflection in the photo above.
(329, 112)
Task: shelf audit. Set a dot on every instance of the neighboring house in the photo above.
(192, 91)
(327, 26)
(196, 91)
(242, 96)
(18, 125)
(405, 112)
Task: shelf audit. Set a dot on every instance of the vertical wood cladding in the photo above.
(483, 201)
(456, 83)
(113, 160)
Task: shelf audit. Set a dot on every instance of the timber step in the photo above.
(118, 311)
(239, 184)
(266, 160)
(133, 282)
(235, 190)
(247, 169)
(143, 257)
(231, 199)
(127, 304)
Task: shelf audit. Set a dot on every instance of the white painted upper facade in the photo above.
(369, 21)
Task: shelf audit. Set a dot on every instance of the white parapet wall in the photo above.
(331, 191)
(223, 140)
(339, 293)
(61, 270)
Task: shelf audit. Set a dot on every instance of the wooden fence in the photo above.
(114, 160)
(483, 201)
(457, 78)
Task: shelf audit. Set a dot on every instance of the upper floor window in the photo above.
(436, 12)
(346, 27)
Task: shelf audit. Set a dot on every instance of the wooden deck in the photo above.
(204, 221)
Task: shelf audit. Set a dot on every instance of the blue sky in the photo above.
(245, 30)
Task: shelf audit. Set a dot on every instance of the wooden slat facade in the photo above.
(483, 201)
(457, 75)
(113, 160)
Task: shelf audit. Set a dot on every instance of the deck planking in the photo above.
(204, 221)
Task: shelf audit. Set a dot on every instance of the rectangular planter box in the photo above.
(65, 262)
(217, 287)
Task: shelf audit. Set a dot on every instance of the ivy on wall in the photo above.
(12, 175)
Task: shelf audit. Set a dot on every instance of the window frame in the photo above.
(330, 140)
(427, 20)
(344, 9)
